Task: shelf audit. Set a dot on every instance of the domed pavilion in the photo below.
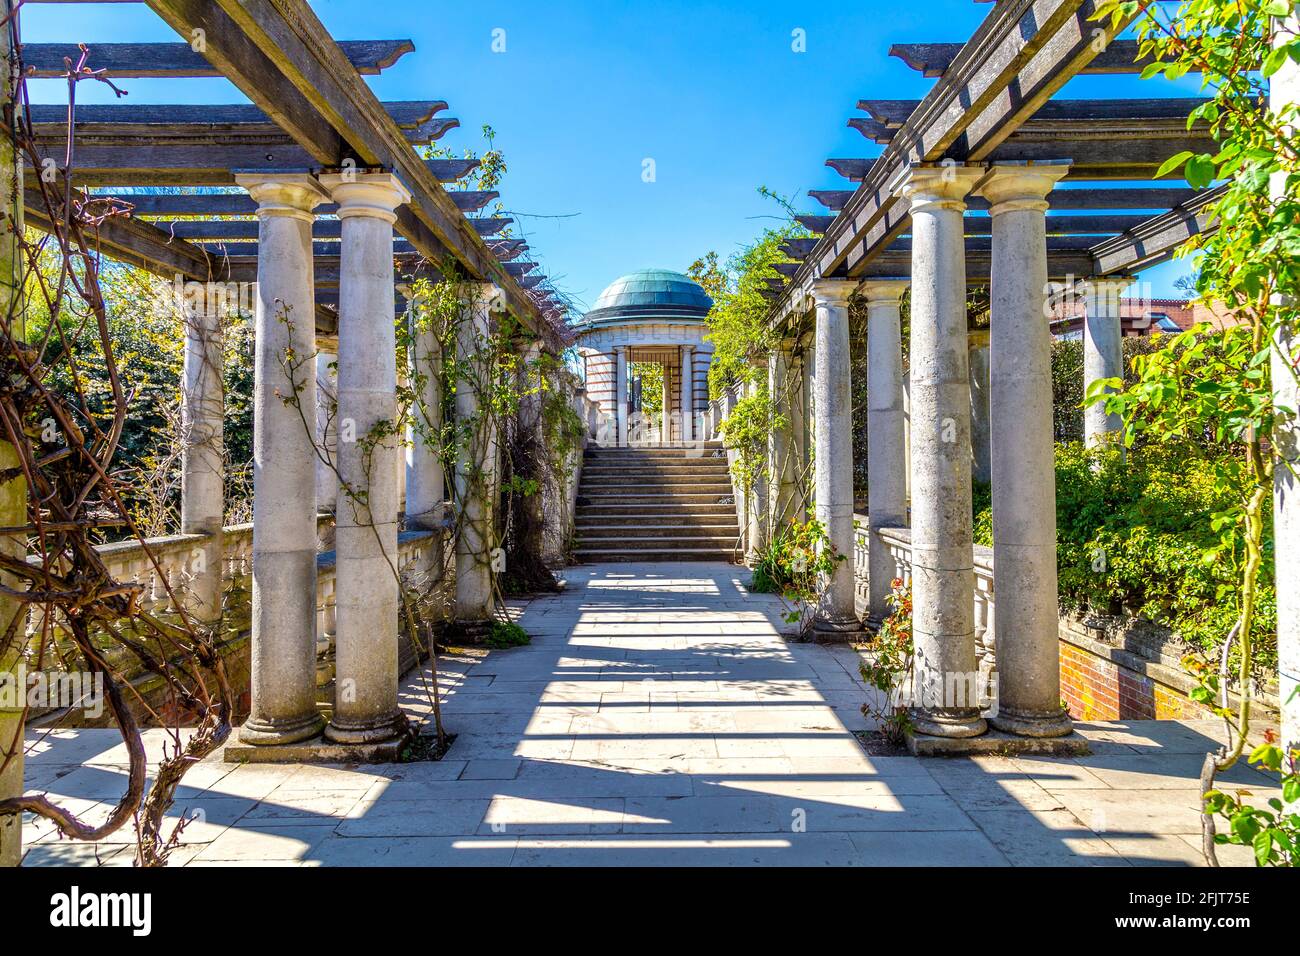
(648, 317)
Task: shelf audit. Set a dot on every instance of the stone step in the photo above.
(590, 532)
(654, 474)
(598, 555)
(655, 511)
(648, 498)
(596, 488)
(670, 519)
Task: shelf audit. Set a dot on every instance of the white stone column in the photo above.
(666, 414)
(327, 458)
(425, 485)
(284, 464)
(1024, 478)
(782, 382)
(756, 502)
(476, 466)
(1284, 88)
(836, 617)
(202, 466)
(620, 392)
(978, 360)
(688, 393)
(943, 576)
(370, 460)
(1103, 353)
(886, 451)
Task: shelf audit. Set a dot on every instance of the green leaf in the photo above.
(1263, 844)
(1200, 171)
(1173, 163)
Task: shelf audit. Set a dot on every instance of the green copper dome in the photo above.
(651, 294)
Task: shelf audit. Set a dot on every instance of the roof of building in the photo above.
(650, 294)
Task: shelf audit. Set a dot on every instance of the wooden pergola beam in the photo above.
(247, 228)
(283, 59)
(1157, 238)
(176, 60)
(932, 59)
(239, 204)
(894, 113)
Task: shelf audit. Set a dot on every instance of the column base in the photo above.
(367, 731)
(467, 632)
(268, 732)
(1053, 724)
(948, 723)
(835, 630)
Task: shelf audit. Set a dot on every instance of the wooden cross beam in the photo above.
(239, 204)
(129, 60)
(932, 59)
(247, 228)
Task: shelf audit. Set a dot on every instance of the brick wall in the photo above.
(1099, 682)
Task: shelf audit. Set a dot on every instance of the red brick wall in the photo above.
(1096, 688)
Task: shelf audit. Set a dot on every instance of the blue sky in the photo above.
(585, 92)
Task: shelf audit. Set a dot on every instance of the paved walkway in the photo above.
(659, 717)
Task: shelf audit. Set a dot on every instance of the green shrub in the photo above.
(1133, 536)
(505, 634)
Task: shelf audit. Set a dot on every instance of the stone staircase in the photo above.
(655, 504)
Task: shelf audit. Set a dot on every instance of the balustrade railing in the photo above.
(898, 544)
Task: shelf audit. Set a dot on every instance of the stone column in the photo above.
(688, 393)
(783, 496)
(886, 452)
(284, 464)
(620, 392)
(13, 492)
(1024, 478)
(836, 617)
(476, 466)
(666, 414)
(799, 421)
(370, 461)
(943, 576)
(327, 456)
(1284, 88)
(203, 478)
(425, 488)
(756, 502)
(978, 360)
(1103, 353)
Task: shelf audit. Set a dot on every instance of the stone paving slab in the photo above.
(661, 716)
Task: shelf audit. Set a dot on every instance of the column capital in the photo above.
(1013, 186)
(833, 291)
(1105, 285)
(884, 291)
(942, 186)
(290, 195)
(483, 295)
(372, 195)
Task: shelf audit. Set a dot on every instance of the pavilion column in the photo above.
(783, 496)
(425, 485)
(1103, 352)
(799, 422)
(978, 360)
(886, 451)
(757, 501)
(284, 464)
(1284, 88)
(477, 465)
(202, 467)
(620, 392)
(836, 616)
(666, 415)
(688, 393)
(366, 584)
(1026, 624)
(946, 701)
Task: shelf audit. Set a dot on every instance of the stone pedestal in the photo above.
(836, 617)
(284, 464)
(946, 691)
(886, 452)
(367, 586)
(1024, 477)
